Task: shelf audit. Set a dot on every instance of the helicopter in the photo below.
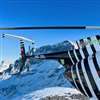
(82, 64)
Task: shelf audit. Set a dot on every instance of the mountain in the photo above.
(63, 46)
(5, 65)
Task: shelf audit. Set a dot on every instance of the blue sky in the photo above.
(47, 12)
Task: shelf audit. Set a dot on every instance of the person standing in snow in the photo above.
(23, 55)
(25, 61)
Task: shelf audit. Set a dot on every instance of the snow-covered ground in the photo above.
(54, 93)
(45, 74)
(42, 75)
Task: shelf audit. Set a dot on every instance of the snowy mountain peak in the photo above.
(5, 64)
(62, 46)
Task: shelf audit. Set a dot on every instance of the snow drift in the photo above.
(42, 75)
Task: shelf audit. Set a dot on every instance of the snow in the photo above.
(51, 92)
(5, 64)
(62, 46)
(41, 75)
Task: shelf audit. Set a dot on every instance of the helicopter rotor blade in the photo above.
(43, 27)
(17, 37)
(52, 28)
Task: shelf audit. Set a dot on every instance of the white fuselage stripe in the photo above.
(76, 56)
(77, 70)
(87, 80)
(73, 77)
(70, 57)
(98, 58)
(94, 73)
